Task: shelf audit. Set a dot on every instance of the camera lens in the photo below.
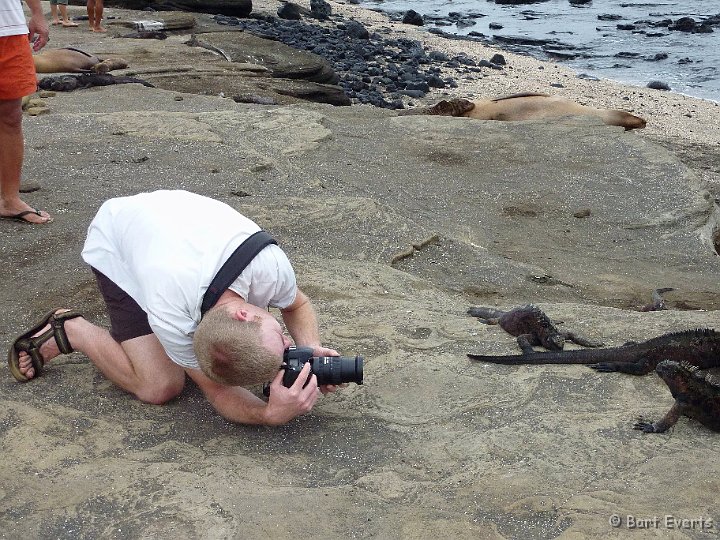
(338, 369)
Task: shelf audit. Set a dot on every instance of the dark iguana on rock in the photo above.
(696, 392)
(531, 326)
(682, 359)
(68, 83)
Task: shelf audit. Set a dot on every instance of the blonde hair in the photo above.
(230, 351)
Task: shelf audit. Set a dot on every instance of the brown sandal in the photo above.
(31, 345)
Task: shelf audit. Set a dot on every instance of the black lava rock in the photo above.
(498, 59)
(289, 11)
(413, 17)
(356, 30)
(320, 9)
(658, 85)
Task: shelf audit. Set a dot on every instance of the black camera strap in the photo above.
(233, 267)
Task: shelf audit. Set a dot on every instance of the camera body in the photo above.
(327, 369)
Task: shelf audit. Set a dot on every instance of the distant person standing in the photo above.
(63, 19)
(95, 15)
(17, 80)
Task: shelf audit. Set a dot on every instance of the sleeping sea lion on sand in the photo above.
(69, 60)
(528, 106)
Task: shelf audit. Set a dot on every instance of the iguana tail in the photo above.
(485, 312)
(580, 356)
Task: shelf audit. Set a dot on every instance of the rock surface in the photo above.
(396, 225)
(523, 452)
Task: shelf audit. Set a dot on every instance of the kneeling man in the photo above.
(154, 256)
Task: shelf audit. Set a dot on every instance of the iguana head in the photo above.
(554, 342)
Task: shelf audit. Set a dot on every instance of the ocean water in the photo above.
(688, 63)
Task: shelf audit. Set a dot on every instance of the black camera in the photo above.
(327, 369)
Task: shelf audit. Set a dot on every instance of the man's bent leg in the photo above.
(159, 379)
(139, 365)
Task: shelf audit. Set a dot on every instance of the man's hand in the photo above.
(285, 404)
(39, 31)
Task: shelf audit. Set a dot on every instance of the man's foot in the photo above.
(56, 22)
(44, 341)
(99, 29)
(69, 24)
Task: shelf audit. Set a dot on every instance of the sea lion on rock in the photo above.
(70, 60)
(528, 106)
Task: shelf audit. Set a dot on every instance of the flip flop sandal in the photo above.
(31, 345)
(21, 217)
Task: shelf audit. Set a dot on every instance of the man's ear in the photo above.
(241, 314)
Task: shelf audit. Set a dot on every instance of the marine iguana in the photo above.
(688, 362)
(68, 83)
(700, 348)
(696, 392)
(531, 326)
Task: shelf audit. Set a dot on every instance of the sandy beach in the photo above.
(395, 225)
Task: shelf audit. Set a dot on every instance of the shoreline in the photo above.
(685, 124)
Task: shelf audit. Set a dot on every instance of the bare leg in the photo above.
(54, 14)
(91, 13)
(95, 14)
(65, 19)
(12, 151)
(139, 366)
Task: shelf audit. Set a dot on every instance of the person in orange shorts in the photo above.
(17, 79)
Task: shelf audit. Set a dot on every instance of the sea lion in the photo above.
(528, 106)
(70, 60)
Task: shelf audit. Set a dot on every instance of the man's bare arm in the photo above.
(242, 406)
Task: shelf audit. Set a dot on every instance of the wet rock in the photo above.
(413, 17)
(658, 85)
(518, 2)
(609, 17)
(684, 24)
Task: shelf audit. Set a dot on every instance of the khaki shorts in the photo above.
(17, 68)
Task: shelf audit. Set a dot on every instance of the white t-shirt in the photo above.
(164, 248)
(12, 19)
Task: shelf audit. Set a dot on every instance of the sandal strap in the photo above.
(32, 347)
(57, 325)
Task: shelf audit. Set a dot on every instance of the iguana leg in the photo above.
(581, 340)
(666, 422)
(642, 367)
(526, 342)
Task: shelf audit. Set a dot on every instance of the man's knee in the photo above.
(11, 113)
(162, 392)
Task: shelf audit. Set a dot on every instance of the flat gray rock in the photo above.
(432, 444)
